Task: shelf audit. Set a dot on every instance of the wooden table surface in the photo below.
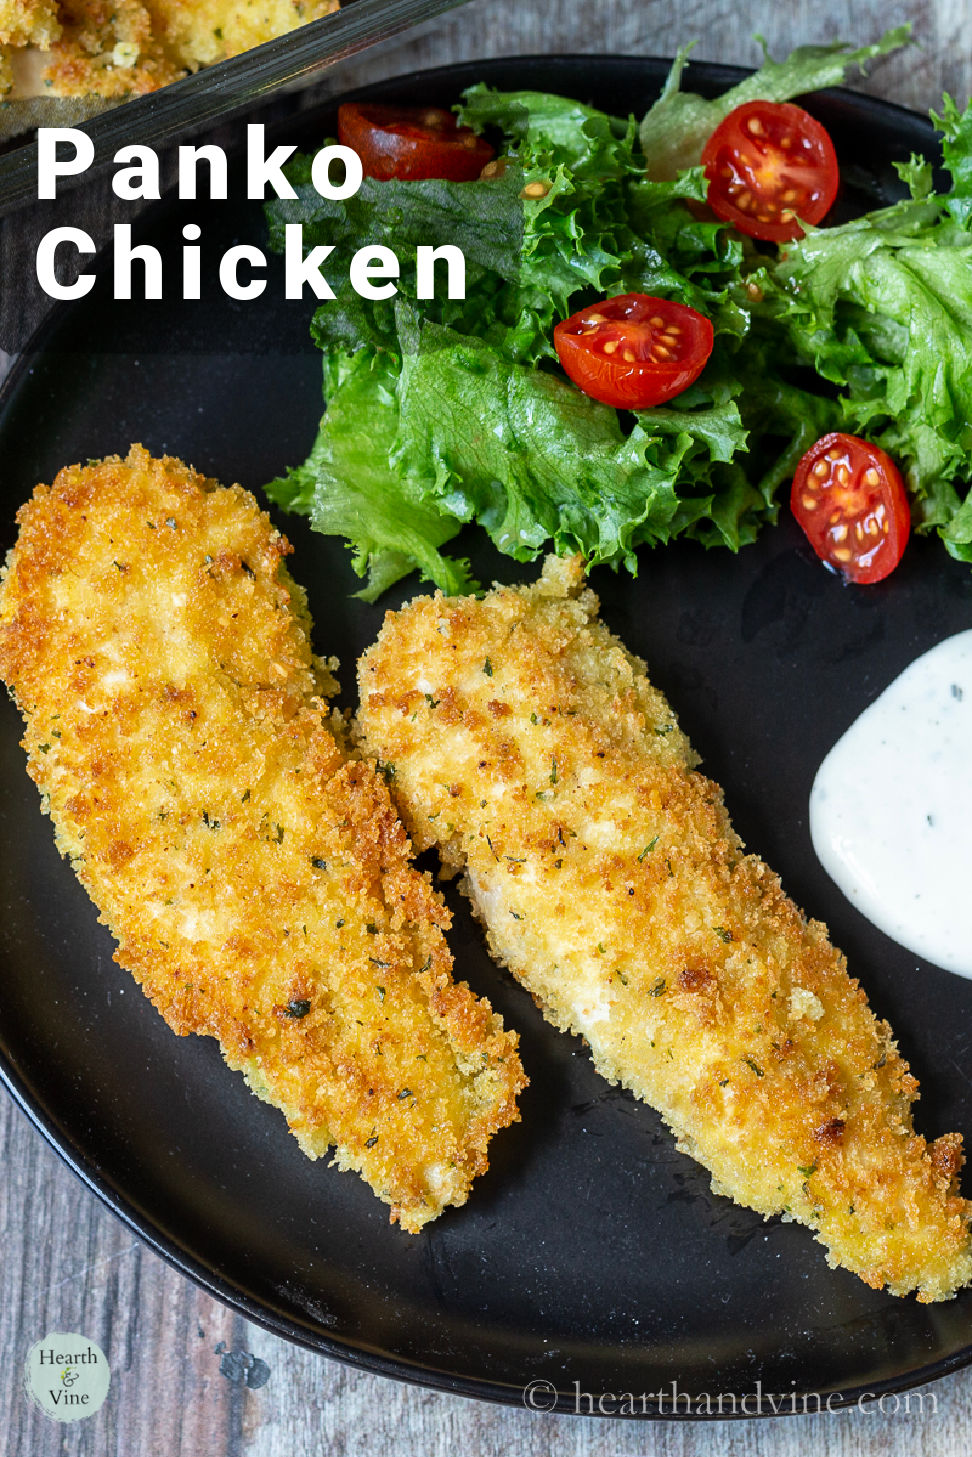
(67, 1264)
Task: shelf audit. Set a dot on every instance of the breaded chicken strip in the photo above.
(528, 744)
(258, 881)
(64, 60)
(28, 22)
(107, 48)
(202, 32)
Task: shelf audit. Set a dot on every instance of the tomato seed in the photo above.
(843, 476)
(661, 352)
(610, 346)
(871, 477)
(841, 554)
(820, 470)
(656, 322)
(810, 503)
(755, 127)
(790, 195)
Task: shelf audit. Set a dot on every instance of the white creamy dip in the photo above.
(891, 808)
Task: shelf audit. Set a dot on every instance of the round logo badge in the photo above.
(67, 1376)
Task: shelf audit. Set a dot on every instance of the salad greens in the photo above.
(680, 123)
(440, 412)
(883, 308)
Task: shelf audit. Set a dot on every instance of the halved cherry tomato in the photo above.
(770, 164)
(412, 142)
(634, 351)
(850, 500)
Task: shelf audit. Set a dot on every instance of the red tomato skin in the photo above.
(865, 566)
(411, 143)
(729, 146)
(643, 383)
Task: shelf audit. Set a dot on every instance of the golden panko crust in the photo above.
(107, 48)
(529, 745)
(258, 881)
(201, 32)
(114, 49)
(28, 22)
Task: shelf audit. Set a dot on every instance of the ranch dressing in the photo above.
(891, 808)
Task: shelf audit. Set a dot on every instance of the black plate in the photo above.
(592, 1252)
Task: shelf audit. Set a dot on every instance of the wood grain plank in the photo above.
(68, 1264)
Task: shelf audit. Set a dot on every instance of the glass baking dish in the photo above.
(217, 92)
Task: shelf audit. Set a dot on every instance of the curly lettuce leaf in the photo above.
(598, 227)
(575, 163)
(535, 461)
(956, 130)
(590, 143)
(882, 308)
(484, 219)
(455, 431)
(350, 487)
(675, 130)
